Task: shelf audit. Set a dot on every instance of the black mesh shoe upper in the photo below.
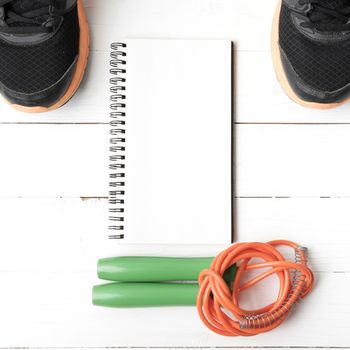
(30, 68)
(323, 65)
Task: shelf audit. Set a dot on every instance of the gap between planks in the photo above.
(235, 123)
(183, 347)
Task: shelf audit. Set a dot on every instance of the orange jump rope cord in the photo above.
(216, 299)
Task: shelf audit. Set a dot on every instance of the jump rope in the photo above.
(155, 281)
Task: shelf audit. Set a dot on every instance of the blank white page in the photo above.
(178, 168)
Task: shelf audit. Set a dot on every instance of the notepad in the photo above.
(171, 142)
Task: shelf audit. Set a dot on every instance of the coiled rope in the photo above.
(216, 299)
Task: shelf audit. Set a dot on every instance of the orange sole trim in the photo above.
(79, 71)
(281, 76)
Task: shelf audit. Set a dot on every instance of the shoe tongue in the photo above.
(329, 22)
(334, 4)
(26, 6)
(22, 6)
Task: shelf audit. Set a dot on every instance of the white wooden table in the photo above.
(293, 182)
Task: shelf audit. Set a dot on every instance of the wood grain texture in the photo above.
(271, 160)
(54, 160)
(258, 94)
(71, 232)
(54, 309)
(292, 182)
(46, 284)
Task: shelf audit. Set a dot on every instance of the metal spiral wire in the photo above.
(295, 295)
(117, 141)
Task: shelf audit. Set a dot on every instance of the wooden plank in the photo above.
(111, 20)
(292, 160)
(69, 234)
(247, 24)
(50, 240)
(54, 160)
(278, 160)
(259, 98)
(321, 225)
(204, 347)
(54, 309)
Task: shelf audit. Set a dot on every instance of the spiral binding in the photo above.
(117, 141)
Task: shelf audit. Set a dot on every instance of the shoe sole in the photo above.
(84, 42)
(281, 76)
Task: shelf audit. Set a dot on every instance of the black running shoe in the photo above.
(311, 51)
(44, 48)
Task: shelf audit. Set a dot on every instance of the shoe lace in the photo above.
(23, 20)
(328, 14)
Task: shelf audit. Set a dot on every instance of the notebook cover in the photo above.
(172, 157)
